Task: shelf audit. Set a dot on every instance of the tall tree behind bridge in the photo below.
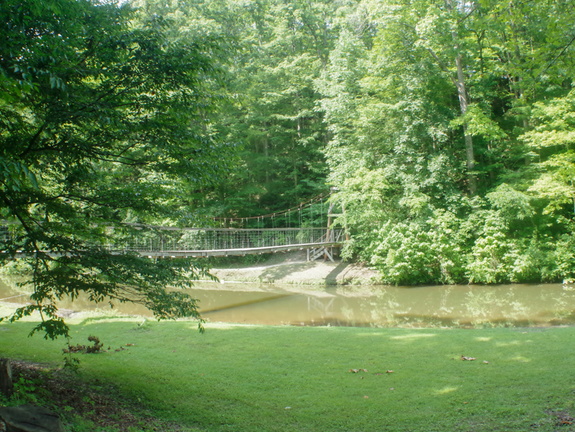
(276, 50)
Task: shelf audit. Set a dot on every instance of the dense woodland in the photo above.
(446, 127)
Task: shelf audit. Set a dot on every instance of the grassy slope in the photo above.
(242, 378)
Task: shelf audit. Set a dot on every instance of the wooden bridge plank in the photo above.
(233, 252)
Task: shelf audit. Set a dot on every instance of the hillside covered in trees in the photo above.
(446, 128)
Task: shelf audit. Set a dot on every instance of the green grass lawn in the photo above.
(256, 378)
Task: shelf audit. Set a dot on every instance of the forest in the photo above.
(446, 129)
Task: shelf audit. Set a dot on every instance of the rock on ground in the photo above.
(29, 418)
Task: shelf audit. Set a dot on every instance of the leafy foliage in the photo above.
(102, 122)
(452, 139)
(274, 52)
(446, 127)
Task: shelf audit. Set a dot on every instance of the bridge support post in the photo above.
(315, 253)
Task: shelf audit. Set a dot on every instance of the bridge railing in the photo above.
(161, 241)
(206, 239)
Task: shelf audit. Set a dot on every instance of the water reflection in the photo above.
(459, 306)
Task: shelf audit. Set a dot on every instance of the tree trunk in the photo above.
(464, 104)
(6, 384)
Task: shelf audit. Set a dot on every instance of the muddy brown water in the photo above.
(376, 306)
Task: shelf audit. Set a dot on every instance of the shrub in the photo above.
(418, 253)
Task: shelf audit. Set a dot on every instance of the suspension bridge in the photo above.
(211, 242)
(308, 227)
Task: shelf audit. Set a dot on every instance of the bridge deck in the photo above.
(235, 252)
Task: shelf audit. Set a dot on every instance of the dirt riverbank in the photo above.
(293, 268)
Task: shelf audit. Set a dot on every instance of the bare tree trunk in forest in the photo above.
(463, 104)
(266, 151)
(295, 172)
(459, 82)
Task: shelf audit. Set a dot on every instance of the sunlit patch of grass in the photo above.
(412, 336)
(246, 378)
(521, 359)
(446, 390)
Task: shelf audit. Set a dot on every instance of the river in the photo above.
(377, 306)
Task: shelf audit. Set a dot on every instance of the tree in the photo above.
(280, 130)
(102, 123)
(438, 109)
(552, 139)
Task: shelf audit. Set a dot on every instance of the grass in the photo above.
(256, 378)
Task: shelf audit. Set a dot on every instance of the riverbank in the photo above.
(293, 268)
